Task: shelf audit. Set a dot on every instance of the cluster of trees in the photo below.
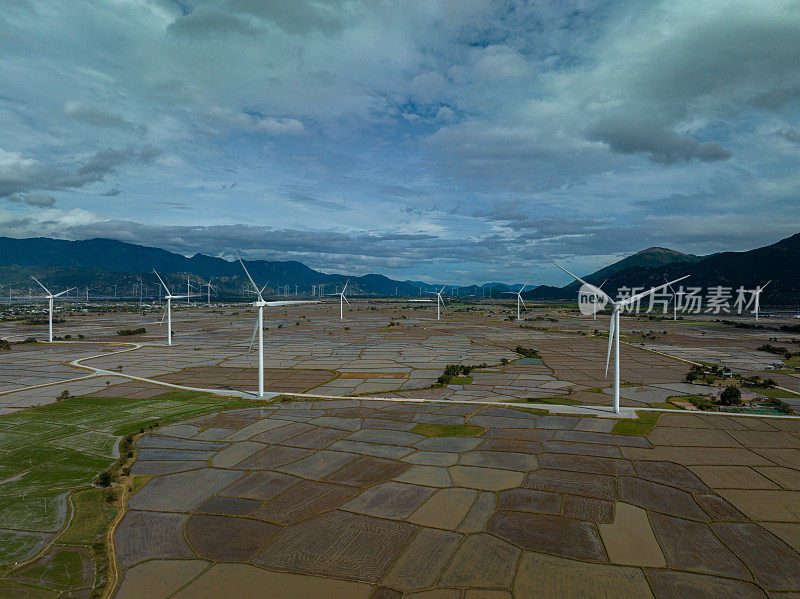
(128, 332)
(778, 350)
(454, 371)
(527, 353)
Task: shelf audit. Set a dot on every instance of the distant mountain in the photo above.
(649, 258)
(779, 262)
(102, 263)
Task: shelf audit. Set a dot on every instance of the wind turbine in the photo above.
(675, 295)
(210, 287)
(259, 328)
(50, 299)
(168, 311)
(519, 298)
(613, 332)
(439, 300)
(758, 291)
(342, 299)
(188, 290)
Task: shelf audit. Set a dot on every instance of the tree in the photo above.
(730, 396)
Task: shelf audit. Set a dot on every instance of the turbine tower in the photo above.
(439, 300)
(613, 332)
(342, 299)
(168, 311)
(757, 292)
(50, 299)
(519, 298)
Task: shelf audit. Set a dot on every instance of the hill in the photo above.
(776, 262)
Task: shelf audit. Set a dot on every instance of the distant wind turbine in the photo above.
(439, 300)
(519, 298)
(675, 295)
(758, 291)
(50, 299)
(210, 287)
(342, 299)
(613, 332)
(168, 311)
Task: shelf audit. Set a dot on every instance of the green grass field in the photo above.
(54, 451)
(641, 425)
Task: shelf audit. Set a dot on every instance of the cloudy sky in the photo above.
(465, 140)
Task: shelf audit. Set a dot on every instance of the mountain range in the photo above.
(100, 264)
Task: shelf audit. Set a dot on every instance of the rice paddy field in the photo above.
(129, 468)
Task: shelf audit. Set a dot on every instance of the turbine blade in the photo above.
(162, 281)
(40, 285)
(345, 299)
(610, 338)
(443, 287)
(638, 296)
(253, 338)
(592, 288)
(524, 285)
(765, 285)
(603, 283)
(263, 288)
(523, 302)
(345, 285)
(63, 292)
(163, 316)
(252, 282)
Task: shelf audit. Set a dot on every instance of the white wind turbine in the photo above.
(50, 299)
(210, 287)
(168, 312)
(613, 332)
(342, 299)
(675, 295)
(259, 328)
(519, 298)
(757, 292)
(439, 300)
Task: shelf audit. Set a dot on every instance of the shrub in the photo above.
(730, 396)
(63, 395)
(104, 478)
(527, 353)
(128, 332)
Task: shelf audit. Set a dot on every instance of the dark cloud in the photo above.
(789, 134)
(308, 201)
(203, 22)
(625, 134)
(20, 175)
(776, 98)
(37, 201)
(91, 115)
(113, 192)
